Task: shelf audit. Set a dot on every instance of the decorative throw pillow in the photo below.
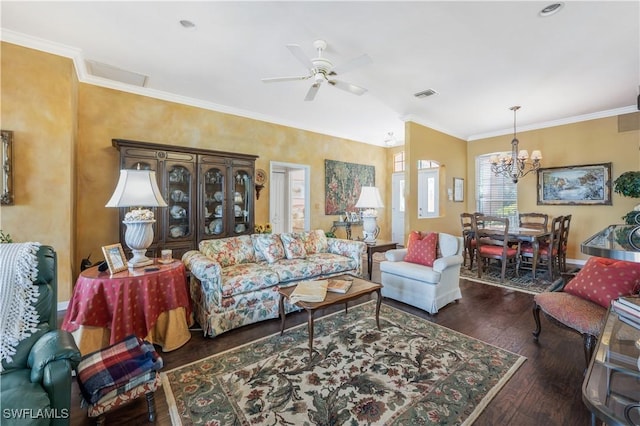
(315, 242)
(269, 246)
(422, 250)
(293, 246)
(602, 280)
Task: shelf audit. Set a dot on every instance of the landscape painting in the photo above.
(343, 182)
(586, 185)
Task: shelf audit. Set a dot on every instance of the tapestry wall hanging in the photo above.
(343, 182)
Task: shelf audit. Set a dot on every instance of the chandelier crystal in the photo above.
(516, 165)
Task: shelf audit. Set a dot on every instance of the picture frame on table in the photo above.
(114, 256)
(458, 190)
(588, 184)
(354, 217)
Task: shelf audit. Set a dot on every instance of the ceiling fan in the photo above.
(321, 69)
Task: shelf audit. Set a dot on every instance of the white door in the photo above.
(277, 202)
(397, 208)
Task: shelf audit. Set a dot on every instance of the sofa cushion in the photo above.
(296, 269)
(19, 392)
(333, 263)
(269, 246)
(315, 241)
(246, 277)
(422, 250)
(413, 271)
(602, 280)
(293, 246)
(229, 251)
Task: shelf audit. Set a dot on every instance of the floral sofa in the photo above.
(235, 281)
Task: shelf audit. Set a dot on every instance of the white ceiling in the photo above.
(481, 57)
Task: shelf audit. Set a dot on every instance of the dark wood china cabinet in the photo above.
(210, 194)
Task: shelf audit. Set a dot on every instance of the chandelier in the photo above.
(517, 164)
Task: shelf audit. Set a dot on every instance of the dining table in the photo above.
(522, 234)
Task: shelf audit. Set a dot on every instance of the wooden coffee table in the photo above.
(359, 288)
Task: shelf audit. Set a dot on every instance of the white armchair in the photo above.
(425, 287)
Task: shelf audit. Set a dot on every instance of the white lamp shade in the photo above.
(369, 198)
(137, 188)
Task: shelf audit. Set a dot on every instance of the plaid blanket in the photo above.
(114, 367)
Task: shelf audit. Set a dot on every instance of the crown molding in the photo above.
(84, 76)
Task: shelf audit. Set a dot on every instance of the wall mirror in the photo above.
(6, 180)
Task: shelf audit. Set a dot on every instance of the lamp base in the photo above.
(370, 229)
(139, 259)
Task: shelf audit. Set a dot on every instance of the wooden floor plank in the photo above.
(546, 390)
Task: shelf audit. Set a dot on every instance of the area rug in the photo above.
(524, 283)
(411, 372)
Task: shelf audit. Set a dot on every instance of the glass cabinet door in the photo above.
(214, 206)
(242, 201)
(180, 198)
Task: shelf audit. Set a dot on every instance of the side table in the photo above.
(611, 387)
(151, 303)
(377, 247)
(346, 225)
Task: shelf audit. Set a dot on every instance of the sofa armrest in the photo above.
(395, 255)
(53, 346)
(201, 266)
(446, 262)
(348, 248)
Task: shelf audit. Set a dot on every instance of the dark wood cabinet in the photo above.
(210, 194)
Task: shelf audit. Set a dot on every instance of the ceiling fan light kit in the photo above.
(322, 69)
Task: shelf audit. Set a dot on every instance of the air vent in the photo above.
(425, 93)
(112, 73)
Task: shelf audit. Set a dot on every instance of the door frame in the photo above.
(279, 165)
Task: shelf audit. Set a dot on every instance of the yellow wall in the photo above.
(587, 142)
(39, 105)
(423, 143)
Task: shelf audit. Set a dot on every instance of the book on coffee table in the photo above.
(309, 291)
(339, 286)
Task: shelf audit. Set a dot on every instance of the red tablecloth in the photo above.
(127, 302)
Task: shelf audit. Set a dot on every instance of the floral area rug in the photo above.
(412, 371)
(525, 282)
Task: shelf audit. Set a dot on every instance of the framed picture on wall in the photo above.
(575, 185)
(458, 190)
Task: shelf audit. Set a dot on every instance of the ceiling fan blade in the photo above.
(278, 79)
(358, 62)
(351, 88)
(311, 94)
(299, 54)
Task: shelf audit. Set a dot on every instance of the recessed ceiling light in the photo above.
(551, 9)
(187, 24)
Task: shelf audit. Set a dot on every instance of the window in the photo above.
(495, 195)
(398, 162)
(428, 185)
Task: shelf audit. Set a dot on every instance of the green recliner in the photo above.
(35, 387)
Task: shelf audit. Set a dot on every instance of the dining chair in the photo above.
(547, 250)
(468, 238)
(492, 242)
(534, 220)
(562, 247)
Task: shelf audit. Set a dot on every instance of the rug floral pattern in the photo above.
(410, 372)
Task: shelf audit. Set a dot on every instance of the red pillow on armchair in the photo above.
(422, 249)
(602, 280)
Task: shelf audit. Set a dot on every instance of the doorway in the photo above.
(289, 197)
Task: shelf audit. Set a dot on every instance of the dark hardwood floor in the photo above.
(546, 390)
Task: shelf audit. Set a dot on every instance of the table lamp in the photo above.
(370, 200)
(138, 189)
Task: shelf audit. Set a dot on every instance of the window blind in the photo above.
(495, 195)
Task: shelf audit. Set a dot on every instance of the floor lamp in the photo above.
(138, 189)
(370, 200)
